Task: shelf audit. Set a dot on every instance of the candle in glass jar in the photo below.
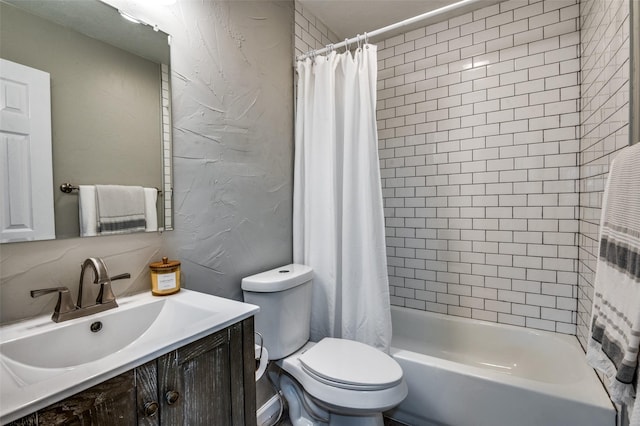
(165, 277)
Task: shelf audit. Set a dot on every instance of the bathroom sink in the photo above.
(84, 340)
(42, 361)
(90, 338)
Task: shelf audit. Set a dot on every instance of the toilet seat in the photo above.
(348, 364)
(335, 396)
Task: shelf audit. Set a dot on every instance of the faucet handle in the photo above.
(120, 276)
(65, 303)
(106, 293)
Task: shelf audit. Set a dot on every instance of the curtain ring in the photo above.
(366, 40)
(329, 48)
(358, 40)
(346, 45)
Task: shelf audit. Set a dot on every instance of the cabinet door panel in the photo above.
(109, 403)
(147, 394)
(243, 382)
(198, 375)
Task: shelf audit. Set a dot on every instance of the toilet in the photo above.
(334, 381)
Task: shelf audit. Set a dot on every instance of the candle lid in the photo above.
(165, 264)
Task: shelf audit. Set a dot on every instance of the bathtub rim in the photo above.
(589, 390)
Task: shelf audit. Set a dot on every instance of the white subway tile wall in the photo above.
(309, 32)
(478, 120)
(604, 127)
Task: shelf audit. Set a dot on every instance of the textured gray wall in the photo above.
(233, 151)
(233, 140)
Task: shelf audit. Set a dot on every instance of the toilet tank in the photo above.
(284, 297)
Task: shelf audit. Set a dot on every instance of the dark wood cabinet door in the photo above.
(195, 383)
(243, 373)
(109, 403)
(148, 403)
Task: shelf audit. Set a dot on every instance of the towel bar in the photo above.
(67, 188)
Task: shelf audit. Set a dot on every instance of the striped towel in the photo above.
(121, 209)
(615, 317)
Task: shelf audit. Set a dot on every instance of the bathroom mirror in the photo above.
(110, 97)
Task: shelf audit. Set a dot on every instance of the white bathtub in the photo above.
(463, 372)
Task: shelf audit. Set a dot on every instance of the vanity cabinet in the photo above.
(112, 402)
(208, 382)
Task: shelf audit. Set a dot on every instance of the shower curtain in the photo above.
(338, 220)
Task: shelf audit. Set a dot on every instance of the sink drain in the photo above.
(96, 326)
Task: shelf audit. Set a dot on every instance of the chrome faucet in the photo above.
(66, 310)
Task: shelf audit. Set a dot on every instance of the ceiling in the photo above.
(346, 18)
(101, 21)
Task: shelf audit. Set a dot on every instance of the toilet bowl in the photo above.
(334, 381)
(356, 382)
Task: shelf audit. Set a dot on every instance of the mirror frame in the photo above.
(634, 72)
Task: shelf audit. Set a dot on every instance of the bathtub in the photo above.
(463, 372)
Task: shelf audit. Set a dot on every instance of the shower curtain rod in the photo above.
(359, 38)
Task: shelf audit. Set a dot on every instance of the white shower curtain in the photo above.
(338, 221)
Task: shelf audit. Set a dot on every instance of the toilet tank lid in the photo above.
(278, 279)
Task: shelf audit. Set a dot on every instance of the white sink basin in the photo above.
(73, 343)
(42, 362)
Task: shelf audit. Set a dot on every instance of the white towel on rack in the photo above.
(120, 209)
(615, 317)
(151, 209)
(87, 211)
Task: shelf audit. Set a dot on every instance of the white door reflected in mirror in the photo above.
(26, 174)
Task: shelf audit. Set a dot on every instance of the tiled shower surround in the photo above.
(604, 127)
(478, 121)
(492, 198)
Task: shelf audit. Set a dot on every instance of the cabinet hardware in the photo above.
(150, 408)
(171, 397)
